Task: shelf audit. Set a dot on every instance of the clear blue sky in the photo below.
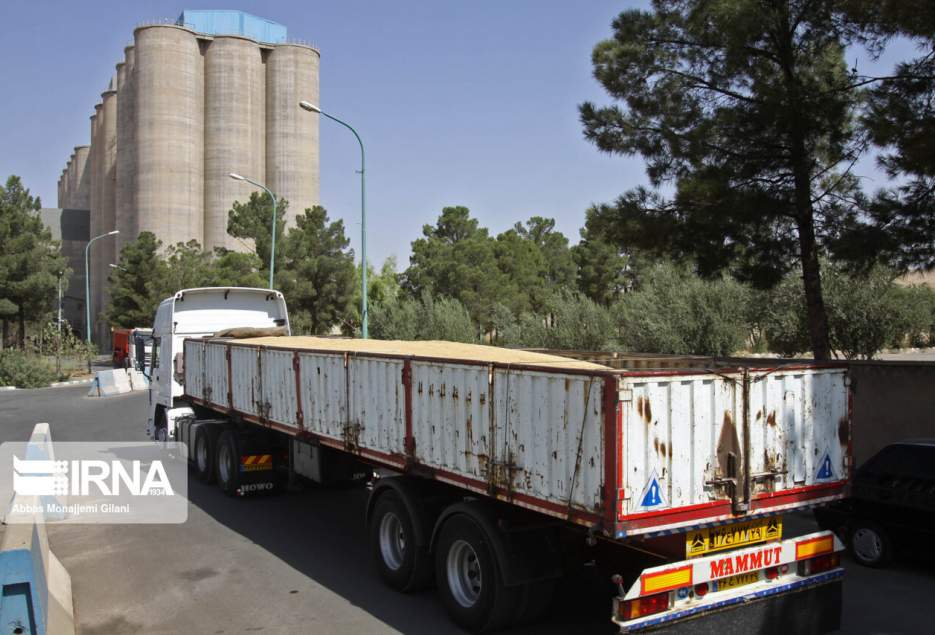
(458, 103)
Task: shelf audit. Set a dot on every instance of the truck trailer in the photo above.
(493, 471)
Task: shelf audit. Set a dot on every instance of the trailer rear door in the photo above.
(700, 448)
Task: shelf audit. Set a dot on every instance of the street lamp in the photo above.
(113, 266)
(87, 286)
(272, 251)
(310, 107)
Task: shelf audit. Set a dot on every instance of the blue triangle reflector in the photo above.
(653, 495)
(824, 470)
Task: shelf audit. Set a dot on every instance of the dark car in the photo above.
(892, 504)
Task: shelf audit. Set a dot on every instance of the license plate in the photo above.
(713, 539)
(735, 581)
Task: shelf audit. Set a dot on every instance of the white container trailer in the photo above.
(677, 478)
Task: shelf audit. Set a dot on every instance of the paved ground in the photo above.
(297, 562)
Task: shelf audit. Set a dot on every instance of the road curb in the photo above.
(75, 382)
(58, 384)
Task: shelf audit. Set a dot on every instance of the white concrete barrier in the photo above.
(36, 589)
(117, 382)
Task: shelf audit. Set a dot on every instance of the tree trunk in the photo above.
(800, 161)
(814, 298)
(22, 329)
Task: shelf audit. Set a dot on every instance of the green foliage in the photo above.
(395, 318)
(783, 319)
(23, 370)
(30, 261)
(746, 109)
(675, 311)
(898, 226)
(188, 266)
(918, 302)
(571, 321)
(427, 318)
(236, 269)
(317, 275)
(251, 222)
(381, 287)
(865, 313)
(138, 284)
(520, 269)
(52, 341)
(456, 258)
(143, 277)
(602, 270)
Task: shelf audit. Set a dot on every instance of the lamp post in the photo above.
(272, 251)
(87, 288)
(113, 266)
(310, 107)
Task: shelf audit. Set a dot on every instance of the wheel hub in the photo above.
(867, 544)
(465, 577)
(392, 541)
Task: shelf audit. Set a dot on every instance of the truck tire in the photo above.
(205, 441)
(403, 565)
(228, 463)
(468, 577)
(869, 544)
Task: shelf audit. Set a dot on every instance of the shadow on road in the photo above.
(320, 532)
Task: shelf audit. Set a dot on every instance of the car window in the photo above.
(155, 353)
(902, 461)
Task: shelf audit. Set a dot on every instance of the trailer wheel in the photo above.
(403, 565)
(228, 463)
(469, 579)
(205, 438)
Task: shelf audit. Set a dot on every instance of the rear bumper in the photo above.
(808, 605)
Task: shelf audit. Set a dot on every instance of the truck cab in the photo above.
(198, 313)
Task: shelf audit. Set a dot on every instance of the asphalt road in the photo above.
(297, 562)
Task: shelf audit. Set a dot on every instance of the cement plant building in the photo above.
(214, 92)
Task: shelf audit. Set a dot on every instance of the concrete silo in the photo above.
(69, 179)
(235, 124)
(94, 167)
(169, 113)
(291, 133)
(105, 250)
(80, 197)
(122, 148)
(126, 153)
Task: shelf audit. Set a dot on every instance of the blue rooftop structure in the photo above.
(229, 22)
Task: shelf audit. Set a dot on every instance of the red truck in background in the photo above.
(130, 347)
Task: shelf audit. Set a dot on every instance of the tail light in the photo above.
(772, 573)
(641, 607)
(819, 564)
(701, 589)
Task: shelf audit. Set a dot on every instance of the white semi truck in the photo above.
(502, 469)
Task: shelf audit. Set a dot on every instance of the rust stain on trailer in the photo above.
(843, 431)
(771, 419)
(469, 428)
(728, 444)
(454, 392)
(759, 414)
(644, 409)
